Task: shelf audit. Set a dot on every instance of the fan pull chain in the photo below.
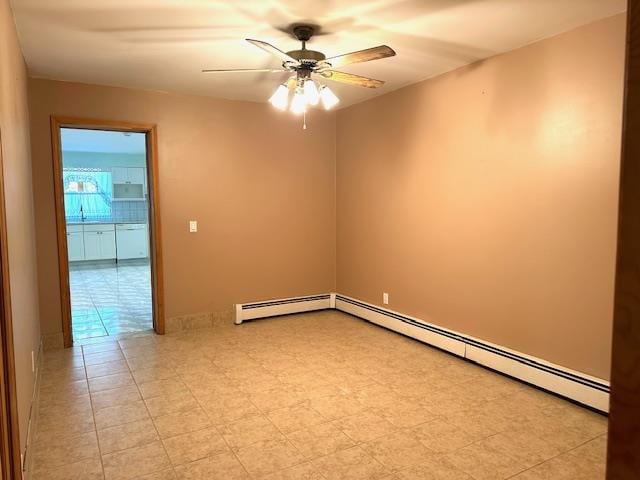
(304, 120)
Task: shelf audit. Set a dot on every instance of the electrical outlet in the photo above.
(33, 362)
(193, 226)
(385, 298)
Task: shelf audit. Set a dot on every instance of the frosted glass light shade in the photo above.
(311, 94)
(329, 99)
(298, 104)
(280, 98)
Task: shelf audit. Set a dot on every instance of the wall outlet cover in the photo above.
(193, 226)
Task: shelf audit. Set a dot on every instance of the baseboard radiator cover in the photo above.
(283, 306)
(579, 387)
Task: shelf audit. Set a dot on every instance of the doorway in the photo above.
(105, 181)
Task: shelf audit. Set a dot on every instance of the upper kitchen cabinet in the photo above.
(136, 175)
(129, 183)
(119, 175)
(128, 175)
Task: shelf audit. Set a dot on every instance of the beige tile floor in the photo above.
(314, 396)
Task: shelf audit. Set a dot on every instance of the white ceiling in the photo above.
(163, 44)
(102, 141)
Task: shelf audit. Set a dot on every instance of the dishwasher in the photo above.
(132, 241)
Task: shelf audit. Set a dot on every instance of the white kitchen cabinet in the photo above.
(96, 241)
(119, 175)
(108, 245)
(132, 240)
(128, 175)
(136, 175)
(99, 242)
(91, 245)
(129, 183)
(75, 245)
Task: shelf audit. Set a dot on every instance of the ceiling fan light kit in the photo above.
(304, 96)
(303, 63)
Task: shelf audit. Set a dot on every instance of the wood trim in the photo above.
(157, 282)
(623, 456)
(10, 461)
(156, 241)
(61, 232)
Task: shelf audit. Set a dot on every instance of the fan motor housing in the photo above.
(307, 55)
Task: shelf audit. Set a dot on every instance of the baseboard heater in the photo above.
(579, 387)
(272, 308)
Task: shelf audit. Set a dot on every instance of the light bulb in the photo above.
(280, 98)
(329, 99)
(311, 94)
(298, 104)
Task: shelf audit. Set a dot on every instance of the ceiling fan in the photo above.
(304, 63)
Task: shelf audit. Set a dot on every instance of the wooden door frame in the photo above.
(623, 451)
(10, 460)
(157, 285)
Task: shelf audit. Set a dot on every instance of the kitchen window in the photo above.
(87, 194)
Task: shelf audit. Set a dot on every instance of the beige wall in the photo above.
(485, 200)
(14, 126)
(261, 188)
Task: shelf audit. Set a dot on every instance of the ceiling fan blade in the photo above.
(352, 79)
(267, 47)
(244, 70)
(374, 53)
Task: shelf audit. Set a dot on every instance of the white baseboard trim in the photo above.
(577, 386)
(284, 306)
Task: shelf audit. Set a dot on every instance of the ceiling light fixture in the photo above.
(306, 95)
(307, 92)
(304, 63)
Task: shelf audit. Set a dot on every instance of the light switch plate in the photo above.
(193, 226)
(385, 298)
